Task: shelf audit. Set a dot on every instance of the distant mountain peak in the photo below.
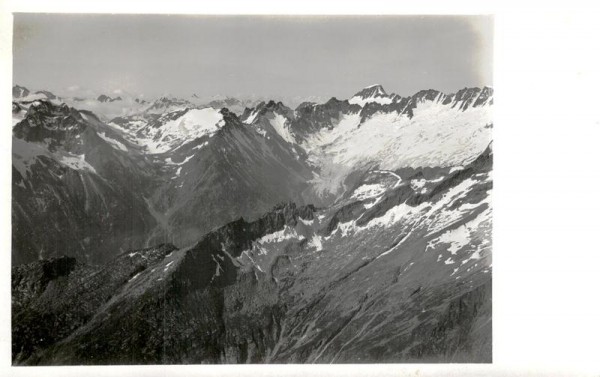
(375, 90)
(47, 108)
(105, 98)
(166, 104)
(20, 91)
(373, 93)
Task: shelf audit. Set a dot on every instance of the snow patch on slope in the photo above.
(417, 184)
(285, 234)
(114, 143)
(77, 162)
(368, 191)
(357, 100)
(316, 242)
(251, 117)
(169, 161)
(366, 96)
(198, 147)
(462, 236)
(283, 129)
(402, 212)
(395, 214)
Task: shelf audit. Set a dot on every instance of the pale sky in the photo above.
(280, 56)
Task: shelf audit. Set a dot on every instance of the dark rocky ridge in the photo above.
(46, 121)
(51, 299)
(312, 118)
(105, 291)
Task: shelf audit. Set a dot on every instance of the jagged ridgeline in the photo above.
(239, 231)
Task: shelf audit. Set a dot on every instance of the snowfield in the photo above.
(193, 124)
(279, 124)
(172, 133)
(436, 136)
(77, 163)
(368, 191)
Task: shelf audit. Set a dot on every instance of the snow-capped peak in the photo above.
(375, 90)
(373, 93)
(378, 87)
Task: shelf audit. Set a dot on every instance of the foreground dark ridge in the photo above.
(298, 285)
(53, 298)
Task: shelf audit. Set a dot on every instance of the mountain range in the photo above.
(241, 231)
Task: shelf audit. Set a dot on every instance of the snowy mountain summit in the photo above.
(373, 93)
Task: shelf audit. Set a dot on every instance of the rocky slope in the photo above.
(78, 189)
(212, 163)
(399, 270)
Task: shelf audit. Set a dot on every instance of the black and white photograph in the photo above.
(251, 189)
(259, 188)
